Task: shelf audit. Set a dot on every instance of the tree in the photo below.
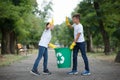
(45, 11)
(117, 34)
(62, 35)
(7, 25)
(102, 28)
(10, 16)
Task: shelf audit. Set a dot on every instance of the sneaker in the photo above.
(73, 73)
(36, 73)
(46, 72)
(85, 73)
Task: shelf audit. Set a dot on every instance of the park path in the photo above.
(101, 70)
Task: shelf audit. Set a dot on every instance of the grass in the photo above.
(102, 56)
(8, 59)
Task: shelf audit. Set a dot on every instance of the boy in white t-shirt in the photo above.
(43, 51)
(80, 45)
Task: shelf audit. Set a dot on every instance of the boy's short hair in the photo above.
(47, 24)
(76, 16)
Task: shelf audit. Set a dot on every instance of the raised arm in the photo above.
(68, 23)
(70, 26)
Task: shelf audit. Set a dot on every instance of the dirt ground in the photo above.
(100, 70)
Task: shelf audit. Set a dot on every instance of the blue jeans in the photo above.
(43, 51)
(81, 46)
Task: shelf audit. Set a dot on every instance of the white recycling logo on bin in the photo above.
(60, 58)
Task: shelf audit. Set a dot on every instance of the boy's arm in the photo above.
(77, 37)
(68, 23)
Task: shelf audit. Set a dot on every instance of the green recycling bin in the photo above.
(63, 56)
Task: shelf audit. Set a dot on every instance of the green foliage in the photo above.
(117, 34)
(63, 35)
(45, 11)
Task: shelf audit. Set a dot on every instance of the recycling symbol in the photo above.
(60, 58)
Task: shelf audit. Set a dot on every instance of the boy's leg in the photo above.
(40, 54)
(45, 62)
(84, 56)
(75, 54)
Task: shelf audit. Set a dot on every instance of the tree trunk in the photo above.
(12, 42)
(5, 48)
(117, 59)
(102, 29)
(89, 42)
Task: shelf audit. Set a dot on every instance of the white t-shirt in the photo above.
(78, 28)
(45, 38)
